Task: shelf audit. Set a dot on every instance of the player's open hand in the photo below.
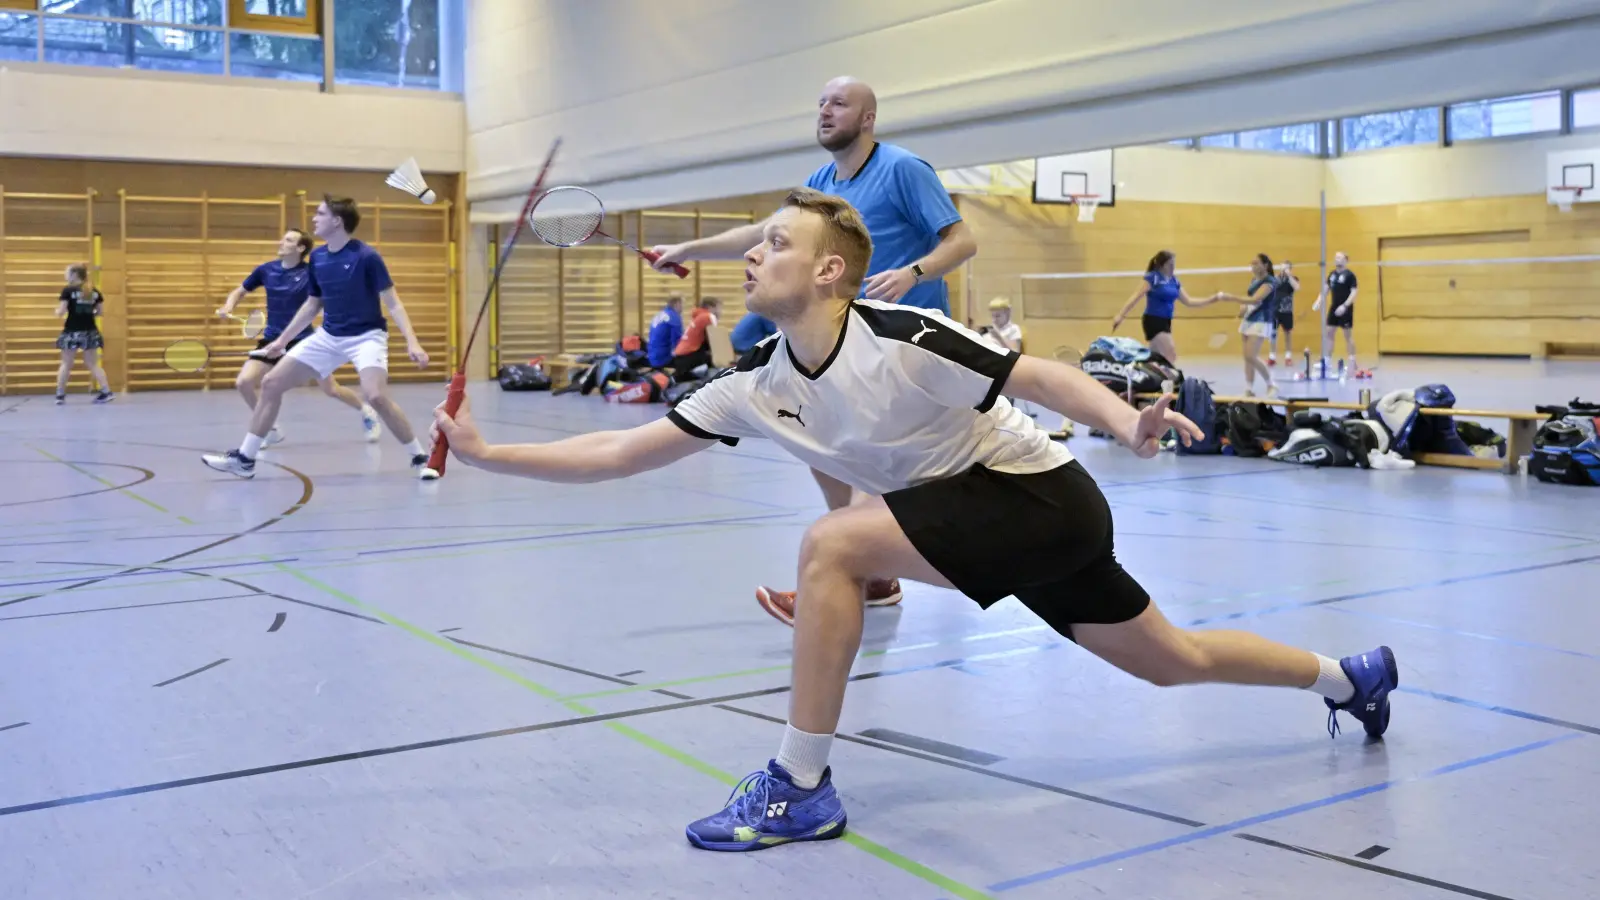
(1153, 422)
(889, 286)
(460, 430)
(418, 355)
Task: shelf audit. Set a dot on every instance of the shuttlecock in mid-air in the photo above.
(408, 178)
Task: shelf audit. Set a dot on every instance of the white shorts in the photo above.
(325, 353)
(1255, 329)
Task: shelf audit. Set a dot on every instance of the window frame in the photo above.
(309, 24)
(1563, 97)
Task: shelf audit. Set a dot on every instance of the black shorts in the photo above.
(1045, 539)
(1348, 320)
(264, 341)
(1154, 325)
(1286, 320)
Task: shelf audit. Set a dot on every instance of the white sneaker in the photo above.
(374, 428)
(424, 473)
(273, 437)
(233, 462)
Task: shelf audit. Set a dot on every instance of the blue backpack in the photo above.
(1194, 403)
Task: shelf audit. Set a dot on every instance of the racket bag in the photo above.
(1195, 404)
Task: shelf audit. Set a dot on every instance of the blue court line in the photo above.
(1215, 830)
(658, 526)
(1532, 645)
(140, 571)
(1362, 595)
(1502, 710)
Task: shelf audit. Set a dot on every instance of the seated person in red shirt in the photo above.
(693, 350)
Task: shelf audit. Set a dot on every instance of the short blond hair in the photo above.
(843, 232)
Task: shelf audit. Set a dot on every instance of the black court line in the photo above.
(1137, 810)
(1375, 869)
(1159, 481)
(626, 529)
(146, 473)
(448, 630)
(306, 491)
(614, 679)
(11, 726)
(630, 672)
(277, 622)
(99, 609)
(211, 665)
(929, 745)
(1372, 853)
(1381, 592)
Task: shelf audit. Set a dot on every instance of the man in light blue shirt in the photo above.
(918, 236)
(917, 233)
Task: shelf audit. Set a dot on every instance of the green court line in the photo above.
(121, 490)
(884, 854)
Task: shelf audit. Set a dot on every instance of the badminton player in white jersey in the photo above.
(287, 282)
(917, 234)
(911, 407)
(350, 285)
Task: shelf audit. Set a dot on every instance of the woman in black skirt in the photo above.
(79, 305)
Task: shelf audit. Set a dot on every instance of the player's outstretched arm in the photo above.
(599, 456)
(729, 245)
(1069, 391)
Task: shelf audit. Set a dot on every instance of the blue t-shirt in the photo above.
(1267, 311)
(286, 293)
(1163, 294)
(751, 330)
(904, 206)
(348, 283)
(666, 330)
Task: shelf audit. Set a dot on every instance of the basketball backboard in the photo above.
(1567, 169)
(1057, 178)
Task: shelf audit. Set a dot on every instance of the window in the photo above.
(397, 43)
(1585, 108)
(1283, 139)
(1527, 114)
(1391, 129)
(387, 42)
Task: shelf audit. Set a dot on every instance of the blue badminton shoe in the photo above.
(767, 809)
(1374, 674)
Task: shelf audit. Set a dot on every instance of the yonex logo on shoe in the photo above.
(775, 810)
(917, 338)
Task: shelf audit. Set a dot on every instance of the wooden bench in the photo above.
(1521, 427)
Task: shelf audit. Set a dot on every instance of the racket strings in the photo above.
(567, 227)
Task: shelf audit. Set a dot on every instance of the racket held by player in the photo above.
(567, 216)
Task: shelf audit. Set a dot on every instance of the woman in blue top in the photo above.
(1260, 313)
(1160, 290)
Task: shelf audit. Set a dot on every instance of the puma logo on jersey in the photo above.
(785, 414)
(926, 329)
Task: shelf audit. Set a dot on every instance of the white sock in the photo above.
(415, 447)
(251, 446)
(1331, 681)
(368, 411)
(804, 756)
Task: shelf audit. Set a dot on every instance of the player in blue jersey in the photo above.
(1161, 291)
(918, 237)
(349, 284)
(286, 280)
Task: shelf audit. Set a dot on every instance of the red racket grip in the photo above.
(678, 270)
(452, 405)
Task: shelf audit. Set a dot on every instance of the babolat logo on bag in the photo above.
(1105, 367)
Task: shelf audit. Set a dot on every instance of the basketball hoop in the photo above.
(1565, 195)
(1086, 204)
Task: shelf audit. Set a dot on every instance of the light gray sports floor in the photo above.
(336, 682)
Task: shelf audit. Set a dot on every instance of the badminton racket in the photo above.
(254, 324)
(458, 380)
(568, 216)
(190, 355)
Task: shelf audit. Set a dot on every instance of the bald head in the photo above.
(847, 111)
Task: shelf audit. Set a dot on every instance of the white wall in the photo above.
(114, 114)
(1176, 175)
(1495, 168)
(704, 98)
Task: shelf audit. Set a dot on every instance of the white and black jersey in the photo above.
(907, 396)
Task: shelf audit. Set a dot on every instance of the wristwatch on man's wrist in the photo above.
(916, 269)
